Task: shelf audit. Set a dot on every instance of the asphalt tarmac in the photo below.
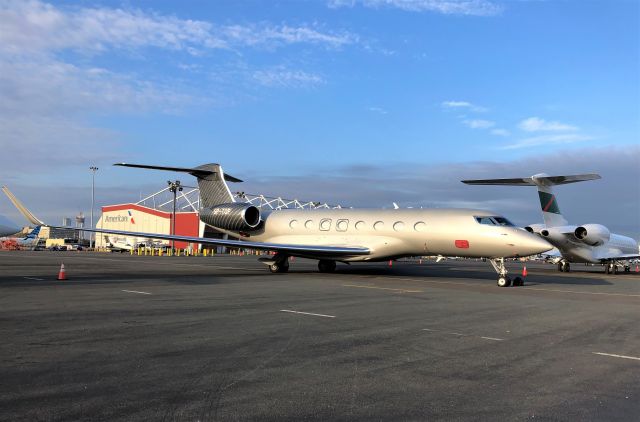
(220, 338)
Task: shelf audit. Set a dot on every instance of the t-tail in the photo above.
(548, 202)
(211, 182)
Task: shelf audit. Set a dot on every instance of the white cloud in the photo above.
(479, 123)
(546, 140)
(536, 124)
(500, 132)
(462, 105)
(33, 26)
(378, 110)
(284, 77)
(447, 7)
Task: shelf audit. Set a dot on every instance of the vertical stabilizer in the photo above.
(548, 202)
(212, 181)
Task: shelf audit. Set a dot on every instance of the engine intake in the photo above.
(233, 216)
(593, 234)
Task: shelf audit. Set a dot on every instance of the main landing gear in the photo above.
(326, 266)
(611, 268)
(503, 279)
(564, 266)
(277, 264)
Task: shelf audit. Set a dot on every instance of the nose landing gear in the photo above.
(503, 279)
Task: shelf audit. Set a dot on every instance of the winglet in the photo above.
(20, 206)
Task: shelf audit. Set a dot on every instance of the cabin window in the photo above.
(342, 225)
(420, 226)
(360, 225)
(293, 224)
(325, 224)
(308, 224)
(398, 226)
(378, 225)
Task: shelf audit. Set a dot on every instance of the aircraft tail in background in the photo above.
(548, 202)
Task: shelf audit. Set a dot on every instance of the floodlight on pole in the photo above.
(93, 196)
(174, 187)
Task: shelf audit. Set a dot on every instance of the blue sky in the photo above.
(306, 88)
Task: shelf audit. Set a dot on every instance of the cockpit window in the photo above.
(485, 220)
(494, 221)
(503, 221)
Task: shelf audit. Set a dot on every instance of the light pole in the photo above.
(93, 197)
(174, 187)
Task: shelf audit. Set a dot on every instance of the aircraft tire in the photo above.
(326, 266)
(560, 266)
(274, 268)
(567, 267)
(518, 281)
(504, 281)
(614, 269)
(606, 269)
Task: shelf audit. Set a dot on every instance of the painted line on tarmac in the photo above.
(135, 291)
(616, 356)
(383, 288)
(492, 286)
(33, 278)
(306, 313)
(580, 293)
(463, 335)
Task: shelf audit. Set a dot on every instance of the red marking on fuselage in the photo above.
(462, 244)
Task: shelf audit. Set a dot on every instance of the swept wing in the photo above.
(311, 250)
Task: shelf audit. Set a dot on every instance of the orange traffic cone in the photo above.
(637, 268)
(524, 271)
(62, 275)
(390, 262)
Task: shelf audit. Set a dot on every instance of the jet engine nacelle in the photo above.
(535, 228)
(233, 216)
(557, 234)
(593, 234)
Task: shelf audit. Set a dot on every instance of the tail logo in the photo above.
(548, 202)
(131, 218)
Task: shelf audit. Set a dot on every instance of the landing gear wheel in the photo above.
(567, 267)
(561, 266)
(518, 281)
(614, 269)
(627, 269)
(504, 281)
(607, 268)
(326, 266)
(278, 268)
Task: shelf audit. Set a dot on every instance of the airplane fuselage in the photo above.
(396, 233)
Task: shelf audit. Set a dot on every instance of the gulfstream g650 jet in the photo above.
(349, 235)
(590, 243)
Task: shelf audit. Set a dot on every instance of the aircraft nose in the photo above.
(532, 244)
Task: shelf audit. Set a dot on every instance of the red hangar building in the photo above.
(138, 218)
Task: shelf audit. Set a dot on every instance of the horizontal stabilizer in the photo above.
(199, 172)
(536, 180)
(20, 206)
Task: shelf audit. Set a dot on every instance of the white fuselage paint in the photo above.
(574, 250)
(396, 233)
